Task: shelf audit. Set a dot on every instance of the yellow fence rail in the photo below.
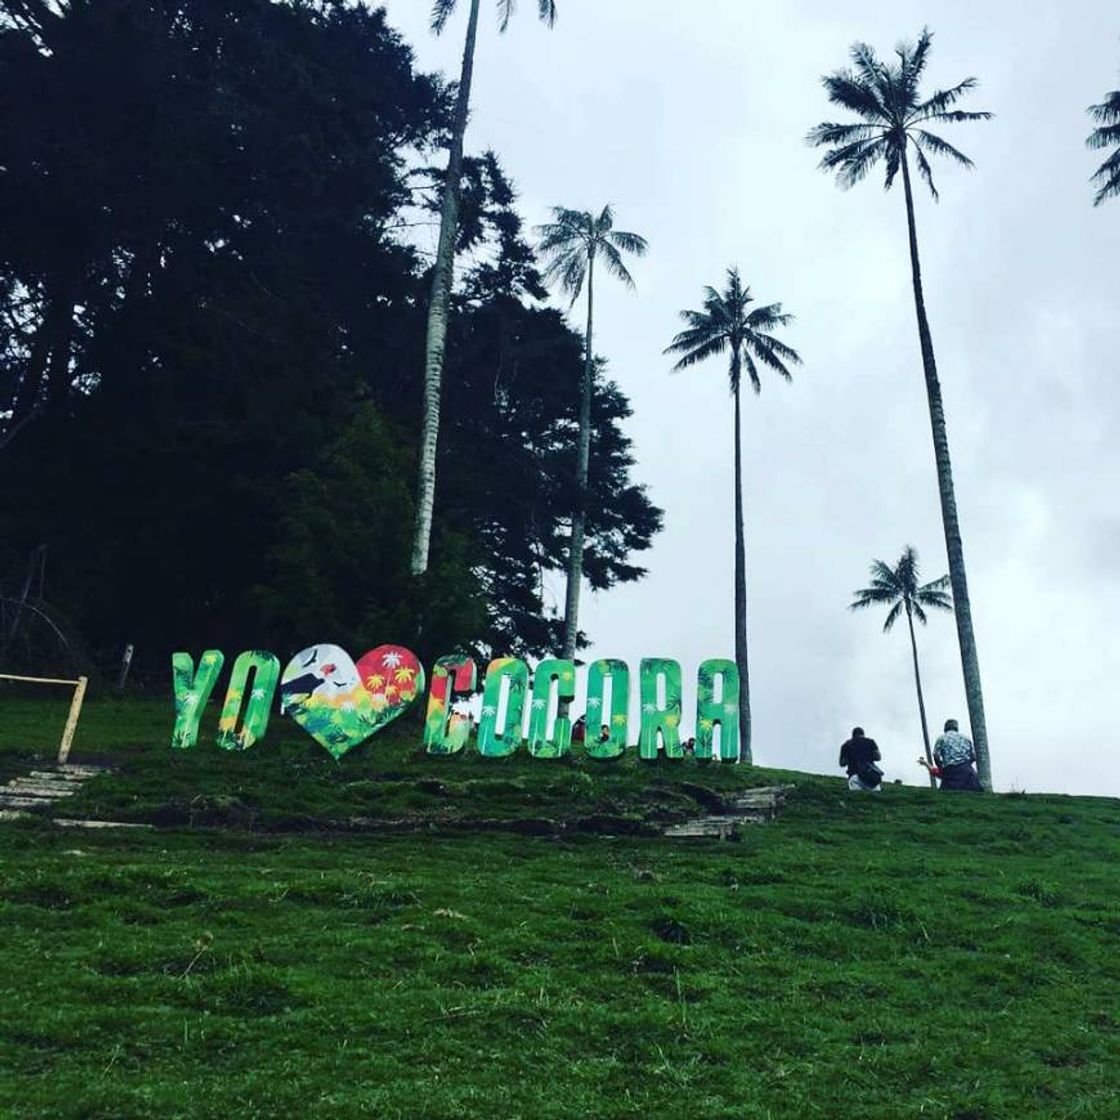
(75, 707)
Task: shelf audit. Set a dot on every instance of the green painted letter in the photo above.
(266, 672)
(540, 745)
(616, 722)
(192, 691)
(724, 712)
(447, 731)
(655, 719)
(490, 743)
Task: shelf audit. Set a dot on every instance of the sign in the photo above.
(341, 703)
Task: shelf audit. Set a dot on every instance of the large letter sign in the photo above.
(341, 703)
(660, 722)
(266, 671)
(723, 713)
(616, 720)
(446, 731)
(192, 691)
(516, 673)
(540, 744)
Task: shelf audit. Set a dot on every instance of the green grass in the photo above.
(905, 955)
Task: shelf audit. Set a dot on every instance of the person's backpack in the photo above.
(870, 775)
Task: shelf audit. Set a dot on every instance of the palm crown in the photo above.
(899, 589)
(574, 237)
(1108, 174)
(442, 9)
(893, 115)
(727, 324)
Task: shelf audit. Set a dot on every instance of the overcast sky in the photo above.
(689, 119)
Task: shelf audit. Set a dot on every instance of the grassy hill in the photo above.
(522, 948)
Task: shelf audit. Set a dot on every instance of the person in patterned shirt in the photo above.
(954, 755)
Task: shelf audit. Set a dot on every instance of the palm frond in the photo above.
(1104, 136)
(752, 374)
(918, 613)
(833, 132)
(894, 162)
(892, 615)
(1109, 174)
(761, 348)
(925, 170)
(629, 242)
(883, 574)
(546, 9)
(941, 147)
(1108, 111)
(853, 161)
(774, 352)
(942, 100)
(871, 597)
(505, 13)
(569, 271)
(912, 63)
(768, 317)
(935, 594)
(854, 94)
(694, 349)
(441, 13)
(614, 265)
(873, 76)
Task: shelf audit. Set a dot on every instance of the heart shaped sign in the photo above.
(340, 704)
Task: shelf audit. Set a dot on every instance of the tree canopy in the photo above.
(213, 311)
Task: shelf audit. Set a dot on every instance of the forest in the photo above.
(213, 302)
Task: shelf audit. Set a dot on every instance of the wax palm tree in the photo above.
(1105, 136)
(898, 588)
(571, 243)
(727, 325)
(893, 123)
(444, 267)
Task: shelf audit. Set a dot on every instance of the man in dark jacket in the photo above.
(858, 756)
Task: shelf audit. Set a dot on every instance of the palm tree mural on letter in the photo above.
(898, 588)
(1106, 135)
(444, 267)
(893, 124)
(571, 243)
(727, 325)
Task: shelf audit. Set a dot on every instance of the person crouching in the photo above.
(859, 755)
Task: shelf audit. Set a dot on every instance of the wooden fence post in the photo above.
(72, 720)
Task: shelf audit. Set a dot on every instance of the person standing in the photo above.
(954, 755)
(859, 755)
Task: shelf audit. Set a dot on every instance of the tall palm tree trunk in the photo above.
(575, 548)
(438, 308)
(741, 593)
(921, 699)
(953, 544)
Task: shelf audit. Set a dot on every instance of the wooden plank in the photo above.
(11, 802)
(29, 789)
(68, 776)
(62, 823)
(35, 680)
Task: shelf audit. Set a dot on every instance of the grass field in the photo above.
(904, 955)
